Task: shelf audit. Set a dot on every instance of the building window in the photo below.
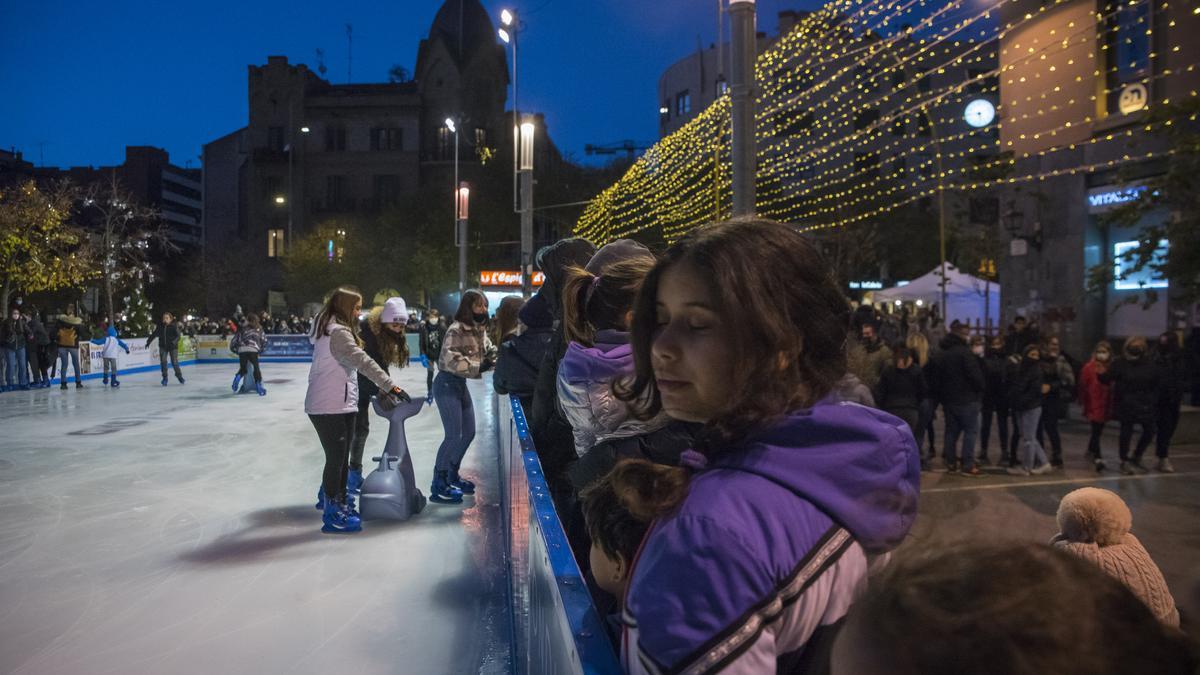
(923, 128)
(272, 188)
(925, 164)
(387, 189)
(387, 139)
(481, 137)
(335, 192)
(335, 138)
(275, 138)
(275, 243)
(445, 144)
(899, 166)
(897, 79)
(925, 82)
(865, 118)
(867, 163)
(1128, 40)
(683, 103)
(722, 87)
(898, 126)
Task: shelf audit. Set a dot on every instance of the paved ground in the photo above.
(1166, 507)
(172, 530)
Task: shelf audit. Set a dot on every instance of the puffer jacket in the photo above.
(332, 383)
(1136, 386)
(585, 379)
(464, 350)
(248, 341)
(112, 344)
(1025, 386)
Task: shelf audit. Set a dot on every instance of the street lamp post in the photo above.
(741, 94)
(508, 33)
(525, 166)
(460, 224)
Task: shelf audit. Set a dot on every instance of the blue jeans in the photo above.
(1034, 455)
(17, 366)
(458, 419)
(961, 418)
(67, 355)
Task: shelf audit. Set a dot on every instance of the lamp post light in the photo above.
(525, 168)
(510, 27)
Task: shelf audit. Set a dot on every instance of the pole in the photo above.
(291, 164)
(516, 123)
(527, 214)
(741, 92)
(460, 226)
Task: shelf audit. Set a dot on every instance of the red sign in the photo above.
(507, 279)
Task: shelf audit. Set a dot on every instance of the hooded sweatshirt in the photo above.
(772, 544)
(585, 379)
(111, 343)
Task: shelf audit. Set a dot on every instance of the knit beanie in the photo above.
(394, 311)
(1095, 526)
(616, 251)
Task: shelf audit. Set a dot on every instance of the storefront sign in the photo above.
(1104, 198)
(507, 278)
(1133, 98)
(866, 285)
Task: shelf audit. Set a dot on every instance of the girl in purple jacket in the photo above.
(790, 495)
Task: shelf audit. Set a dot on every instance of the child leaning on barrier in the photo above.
(789, 492)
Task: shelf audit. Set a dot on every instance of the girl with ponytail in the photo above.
(597, 308)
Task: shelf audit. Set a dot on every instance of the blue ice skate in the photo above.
(442, 492)
(237, 382)
(337, 519)
(258, 386)
(464, 485)
(354, 481)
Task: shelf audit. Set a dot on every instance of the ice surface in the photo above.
(156, 529)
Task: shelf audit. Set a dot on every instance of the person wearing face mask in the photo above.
(1056, 372)
(432, 333)
(16, 337)
(467, 353)
(1169, 358)
(1025, 393)
(1136, 385)
(1096, 398)
(995, 401)
(961, 384)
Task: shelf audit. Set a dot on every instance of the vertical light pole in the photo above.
(528, 129)
(510, 26)
(460, 235)
(462, 202)
(743, 37)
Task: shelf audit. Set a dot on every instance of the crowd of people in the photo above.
(226, 326)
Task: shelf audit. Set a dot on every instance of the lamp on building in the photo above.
(280, 199)
(304, 130)
(1014, 223)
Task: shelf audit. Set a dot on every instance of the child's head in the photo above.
(616, 532)
(739, 323)
(902, 357)
(998, 608)
(252, 321)
(593, 302)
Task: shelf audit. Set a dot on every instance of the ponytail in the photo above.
(578, 288)
(649, 490)
(593, 302)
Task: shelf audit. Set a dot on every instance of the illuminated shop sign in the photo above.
(507, 278)
(866, 285)
(1147, 277)
(1105, 198)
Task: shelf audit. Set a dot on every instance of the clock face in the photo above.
(979, 113)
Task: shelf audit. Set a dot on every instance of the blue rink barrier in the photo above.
(556, 628)
(284, 349)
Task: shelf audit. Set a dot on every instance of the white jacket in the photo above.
(332, 383)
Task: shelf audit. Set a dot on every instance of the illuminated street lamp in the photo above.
(280, 199)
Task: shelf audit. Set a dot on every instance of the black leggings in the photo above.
(252, 359)
(337, 435)
(1094, 440)
(362, 429)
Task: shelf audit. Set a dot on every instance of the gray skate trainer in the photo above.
(390, 492)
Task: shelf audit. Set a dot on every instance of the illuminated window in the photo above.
(275, 243)
(683, 103)
(1125, 279)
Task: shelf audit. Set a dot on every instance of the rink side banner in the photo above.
(139, 359)
(278, 349)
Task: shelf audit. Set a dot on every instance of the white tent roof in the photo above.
(928, 287)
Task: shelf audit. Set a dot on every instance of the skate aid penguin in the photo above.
(390, 492)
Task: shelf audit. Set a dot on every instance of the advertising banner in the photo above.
(139, 357)
(278, 348)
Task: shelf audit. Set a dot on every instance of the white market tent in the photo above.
(968, 298)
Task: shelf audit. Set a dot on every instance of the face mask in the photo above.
(977, 350)
(1135, 351)
(433, 320)
(480, 318)
(1102, 356)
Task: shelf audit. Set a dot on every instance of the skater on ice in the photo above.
(69, 332)
(248, 343)
(331, 402)
(467, 353)
(432, 332)
(112, 346)
(167, 333)
(383, 340)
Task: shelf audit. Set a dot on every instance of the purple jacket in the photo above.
(772, 543)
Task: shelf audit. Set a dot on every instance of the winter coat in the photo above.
(68, 334)
(995, 393)
(1095, 396)
(166, 334)
(901, 390)
(332, 383)
(959, 373)
(772, 543)
(464, 350)
(41, 337)
(430, 339)
(367, 331)
(112, 344)
(1173, 375)
(876, 357)
(1136, 387)
(15, 334)
(248, 341)
(1025, 386)
(518, 360)
(585, 379)
(1057, 372)
(850, 389)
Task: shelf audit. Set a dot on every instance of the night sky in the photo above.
(85, 79)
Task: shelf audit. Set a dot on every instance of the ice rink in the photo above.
(156, 529)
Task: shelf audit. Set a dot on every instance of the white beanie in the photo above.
(394, 311)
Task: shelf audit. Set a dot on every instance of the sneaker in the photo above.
(973, 472)
(354, 481)
(336, 519)
(1164, 465)
(951, 467)
(1100, 465)
(1045, 468)
(465, 486)
(237, 383)
(1017, 471)
(1126, 469)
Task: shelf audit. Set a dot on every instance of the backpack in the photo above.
(66, 336)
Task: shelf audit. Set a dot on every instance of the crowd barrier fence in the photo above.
(556, 628)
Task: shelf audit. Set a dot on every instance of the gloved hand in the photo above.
(425, 362)
(400, 395)
(393, 398)
(487, 364)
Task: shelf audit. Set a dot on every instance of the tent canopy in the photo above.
(968, 298)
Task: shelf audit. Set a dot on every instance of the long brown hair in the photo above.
(339, 308)
(466, 313)
(393, 347)
(506, 317)
(784, 310)
(593, 302)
